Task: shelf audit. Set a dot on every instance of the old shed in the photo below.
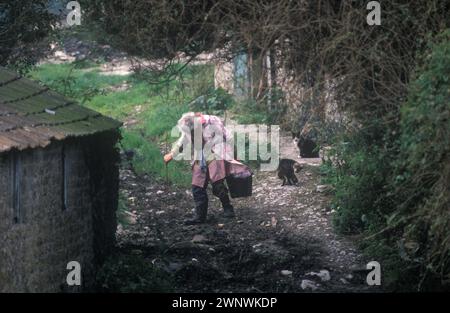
(58, 187)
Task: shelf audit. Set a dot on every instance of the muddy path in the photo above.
(281, 240)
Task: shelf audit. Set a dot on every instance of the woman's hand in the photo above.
(168, 157)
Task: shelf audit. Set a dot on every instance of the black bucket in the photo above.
(240, 186)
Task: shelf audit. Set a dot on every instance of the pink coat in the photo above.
(220, 166)
(217, 170)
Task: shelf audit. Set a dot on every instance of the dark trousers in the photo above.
(201, 196)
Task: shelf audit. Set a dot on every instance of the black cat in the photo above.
(307, 147)
(286, 171)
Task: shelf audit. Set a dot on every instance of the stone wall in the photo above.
(38, 240)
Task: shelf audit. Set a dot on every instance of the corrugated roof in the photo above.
(32, 116)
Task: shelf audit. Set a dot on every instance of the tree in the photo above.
(23, 26)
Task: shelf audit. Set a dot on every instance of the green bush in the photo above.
(359, 179)
(392, 181)
(215, 101)
(422, 170)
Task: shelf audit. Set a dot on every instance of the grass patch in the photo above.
(148, 159)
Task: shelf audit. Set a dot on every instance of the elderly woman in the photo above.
(212, 160)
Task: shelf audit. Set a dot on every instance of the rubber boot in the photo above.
(228, 210)
(221, 191)
(201, 206)
(199, 216)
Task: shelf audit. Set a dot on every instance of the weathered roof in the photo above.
(32, 116)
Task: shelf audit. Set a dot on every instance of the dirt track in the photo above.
(280, 235)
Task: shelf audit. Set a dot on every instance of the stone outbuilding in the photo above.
(58, 187)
